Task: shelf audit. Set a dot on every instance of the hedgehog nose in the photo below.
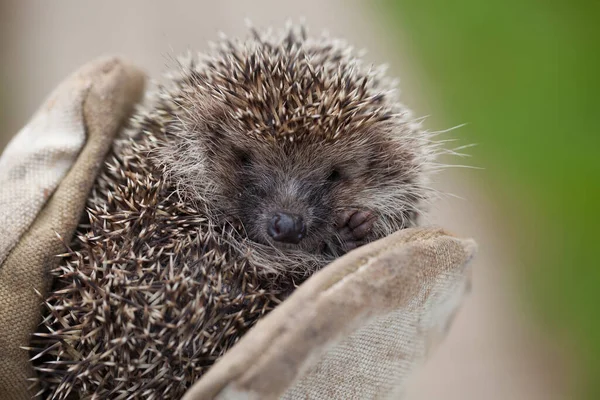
(286, 228)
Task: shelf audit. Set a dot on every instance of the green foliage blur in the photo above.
(525, 74)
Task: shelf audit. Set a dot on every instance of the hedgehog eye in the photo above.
(243, 157)
(334, 176)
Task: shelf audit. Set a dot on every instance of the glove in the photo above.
(356, 329)
(46, 173)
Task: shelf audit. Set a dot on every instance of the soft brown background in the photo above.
(492, 352)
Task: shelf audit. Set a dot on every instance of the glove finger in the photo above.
(40, 155)
(354, 329)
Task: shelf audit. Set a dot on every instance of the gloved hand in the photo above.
(356, 329)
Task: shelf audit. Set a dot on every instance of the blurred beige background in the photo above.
(491, 352)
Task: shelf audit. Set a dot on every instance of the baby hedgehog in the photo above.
(252, 168)
(309, 150)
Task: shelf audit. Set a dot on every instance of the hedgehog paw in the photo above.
(353, 228)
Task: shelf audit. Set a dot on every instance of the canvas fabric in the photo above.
(46, 173)
(355, 330)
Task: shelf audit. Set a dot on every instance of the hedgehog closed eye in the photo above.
(243, 157)
(334, 176)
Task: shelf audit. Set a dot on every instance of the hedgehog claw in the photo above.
(354, 226)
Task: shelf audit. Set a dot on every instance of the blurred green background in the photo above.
(525, 75)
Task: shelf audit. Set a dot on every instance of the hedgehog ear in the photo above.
(208, 116)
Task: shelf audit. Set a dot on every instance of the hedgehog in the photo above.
(254, 166)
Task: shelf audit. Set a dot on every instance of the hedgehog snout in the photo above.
(286, 228)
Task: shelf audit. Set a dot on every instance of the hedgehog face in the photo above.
(293, 194)
(310, 195)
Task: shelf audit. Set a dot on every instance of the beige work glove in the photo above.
(355, 330)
